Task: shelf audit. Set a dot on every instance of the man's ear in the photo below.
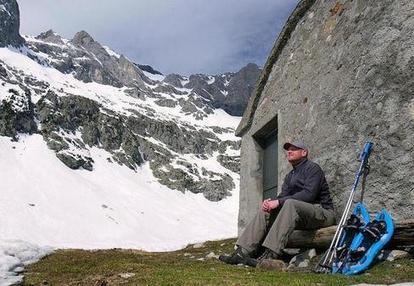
(305, 152)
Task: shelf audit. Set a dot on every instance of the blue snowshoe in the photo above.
(350, 234)
(368, 243)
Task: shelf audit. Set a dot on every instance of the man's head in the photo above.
(295, 151)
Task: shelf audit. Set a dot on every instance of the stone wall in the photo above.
(344, 75)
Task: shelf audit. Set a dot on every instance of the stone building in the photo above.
(340, 73)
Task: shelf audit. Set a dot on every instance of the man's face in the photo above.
(295, 154)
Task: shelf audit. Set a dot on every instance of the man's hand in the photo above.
(269, 205)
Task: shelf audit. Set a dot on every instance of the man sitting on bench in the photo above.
(304, 203)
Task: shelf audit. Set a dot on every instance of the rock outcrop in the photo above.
(10, 24)
(51, 37)
(229, 91)
(149, 69)
(17, 114)
(87, 60)
(239, 89)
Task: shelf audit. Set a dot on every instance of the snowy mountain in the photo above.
(97, 151)
(128, 112)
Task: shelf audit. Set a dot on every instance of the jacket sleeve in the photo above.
(284, 191)
(311, 187)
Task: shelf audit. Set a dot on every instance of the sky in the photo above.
(173, 36)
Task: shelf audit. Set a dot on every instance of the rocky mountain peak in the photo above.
(229, 91)
(10, 24)
(82, 38)
(250, 67)
(240, 88)
(149, 69)
(245, 77)
(50, 36)
(174, 79)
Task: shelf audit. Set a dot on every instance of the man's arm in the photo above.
(284, 190)
(269, 204)
(311, 188)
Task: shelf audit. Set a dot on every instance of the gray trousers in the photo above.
(273, 230)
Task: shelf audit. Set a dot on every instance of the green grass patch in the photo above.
(186, 267)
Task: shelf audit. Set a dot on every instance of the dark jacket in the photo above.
(306, 182)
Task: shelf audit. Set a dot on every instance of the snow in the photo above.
(94, 57)
(183, 89)
(211, 79)
(4, 90)
(110, 97)
(176, 165)
(184, 81)
(222, 119)
(14, 255)
(19, 103)
(30, 38)
(81, 59)
(111, 52)
(45, 203)
(3, 8)
(155, 77)
(224, 92)
(209, 164)
(111, 207)
(231, 152)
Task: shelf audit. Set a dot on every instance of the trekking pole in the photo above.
(364, 160)
(364, 178)
(331, 252)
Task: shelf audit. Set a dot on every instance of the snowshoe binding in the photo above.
(350, 235)
(368, 243)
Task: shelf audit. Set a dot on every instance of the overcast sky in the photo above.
(180, 36)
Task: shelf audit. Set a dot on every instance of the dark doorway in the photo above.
(267, 139)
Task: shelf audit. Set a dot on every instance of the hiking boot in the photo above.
(239, 256)
(267, 254)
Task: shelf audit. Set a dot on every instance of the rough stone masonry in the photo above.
(340, 73)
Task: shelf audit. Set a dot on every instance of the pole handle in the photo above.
(366, 151)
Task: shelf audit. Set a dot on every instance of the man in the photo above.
(303, 203)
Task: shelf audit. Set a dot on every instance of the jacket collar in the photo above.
(300, 163)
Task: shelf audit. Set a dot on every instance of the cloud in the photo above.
(181, 36)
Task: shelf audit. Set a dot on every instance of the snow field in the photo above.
(46, 203)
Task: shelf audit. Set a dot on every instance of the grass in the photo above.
(186, 267)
